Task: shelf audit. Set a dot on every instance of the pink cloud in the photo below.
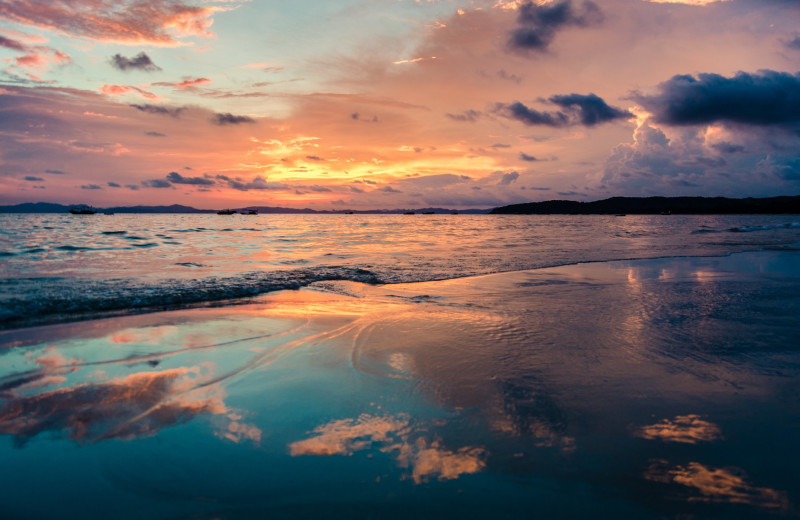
(121, 90)
(156, 22)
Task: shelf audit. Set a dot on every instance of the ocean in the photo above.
(60, 267)
(396, 366)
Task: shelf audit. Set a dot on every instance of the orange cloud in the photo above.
(716, 485)
(687, 429)
(390, 434)
(121, 90)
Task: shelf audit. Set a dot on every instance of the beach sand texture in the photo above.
(645, 388)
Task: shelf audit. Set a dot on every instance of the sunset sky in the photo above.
(365, 104)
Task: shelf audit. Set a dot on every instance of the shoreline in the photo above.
(250, 295)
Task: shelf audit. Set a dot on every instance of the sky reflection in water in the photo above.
(636, 388)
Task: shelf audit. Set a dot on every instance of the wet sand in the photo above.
(647, 389)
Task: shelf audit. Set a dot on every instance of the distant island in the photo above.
(658, 205)
(49, 207)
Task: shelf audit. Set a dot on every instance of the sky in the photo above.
(385, 104)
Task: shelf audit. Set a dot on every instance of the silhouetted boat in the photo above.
(409, 213)
(226, 212)
(249, 212)
(82, 210)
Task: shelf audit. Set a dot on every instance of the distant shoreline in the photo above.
(613, 206)
(658, 206)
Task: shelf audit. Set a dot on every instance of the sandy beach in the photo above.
(645, 387)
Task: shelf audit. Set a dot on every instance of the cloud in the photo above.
(159, 109)
(139, 405)
(31, 178)
(91, 187)
(539, 24)
(121, 90)
(686, 429)
(155, 134)
(314, 158)
(726, 147)
(8, 43)
(152, 22)
(577, 109)
(258, 183)
(389, 189)
(530, 116)
(469, 116)
(113, 184)
(526, 157)
(230, 119)
(767, 98)
(794, 43)
(177, 178)
(716, 485)
(139, 62)
(156, 183)
(508, 178)
(56, 172)
(187, 83)
(591, 109)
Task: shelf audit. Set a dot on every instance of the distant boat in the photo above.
(409, 213)
(249, 212)
(428, 212)
(83, 209)
(108, 213)
(226, 212)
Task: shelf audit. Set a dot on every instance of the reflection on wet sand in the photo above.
(138, 405)
(389, 434)
(716, 485)
(688, 429)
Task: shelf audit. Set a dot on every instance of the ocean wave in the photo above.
(750, 229)
(69, 299)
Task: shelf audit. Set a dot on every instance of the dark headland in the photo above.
(657, 205)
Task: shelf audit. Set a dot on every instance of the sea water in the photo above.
(59, 267)
(427, 367)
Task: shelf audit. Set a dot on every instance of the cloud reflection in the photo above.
(138, 405)
(391, 435)
(720, 485)
(688, 429)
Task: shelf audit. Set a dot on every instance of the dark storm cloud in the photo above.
(526, 157)
(539, 24)
(230, 119)
(726, 147)
(532, 117)
(577, 109)
(591, 109)
(139, 62)
(158, 109)
(156, 183)
(767, 98)
(177, 178)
